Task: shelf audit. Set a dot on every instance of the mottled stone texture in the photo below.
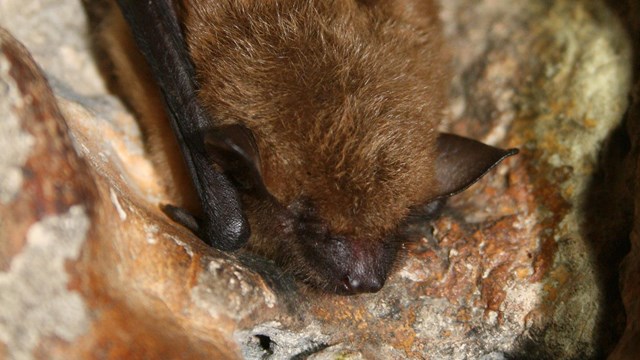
(522, 265)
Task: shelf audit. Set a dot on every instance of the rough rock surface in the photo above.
(523, 264)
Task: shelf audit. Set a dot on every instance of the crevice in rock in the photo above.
(608, 221)
(265, 343)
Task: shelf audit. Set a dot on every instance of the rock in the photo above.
(67, 224)
(46, 200)
(56, 34)
(524, 264)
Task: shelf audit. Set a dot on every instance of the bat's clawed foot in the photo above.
(182, 216)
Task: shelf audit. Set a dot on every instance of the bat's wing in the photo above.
(159, 38)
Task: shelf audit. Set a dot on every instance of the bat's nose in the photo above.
(362, 283)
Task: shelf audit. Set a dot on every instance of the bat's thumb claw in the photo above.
(181, 216)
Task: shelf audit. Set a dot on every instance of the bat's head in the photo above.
(343, 233)
(341, 101)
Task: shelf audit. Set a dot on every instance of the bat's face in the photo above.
(343, 234)
(343, 206)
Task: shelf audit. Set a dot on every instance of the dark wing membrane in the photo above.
(159, 38)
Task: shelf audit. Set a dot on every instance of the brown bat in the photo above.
(308, 127)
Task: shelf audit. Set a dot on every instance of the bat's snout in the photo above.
(355, 284)
(362, 267)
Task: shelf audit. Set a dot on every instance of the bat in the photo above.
(309, 128)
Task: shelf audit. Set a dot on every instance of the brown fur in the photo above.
(343, 98)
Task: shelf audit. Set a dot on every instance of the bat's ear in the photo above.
(234, 149)
(462, 161)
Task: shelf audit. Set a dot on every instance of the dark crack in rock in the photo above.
(271, 341)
